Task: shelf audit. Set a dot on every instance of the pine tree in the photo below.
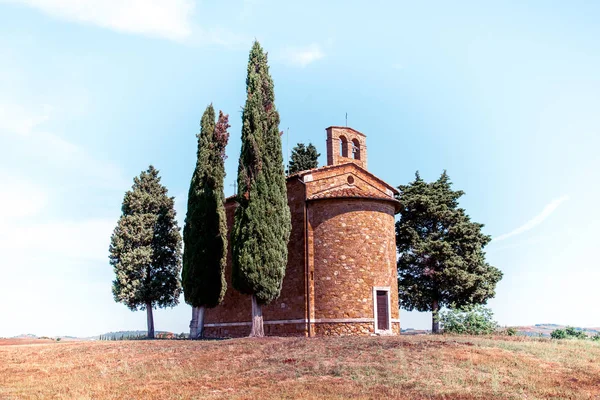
(145, 249)
(303, 158)
(262, 219)
(205, 230)
(442, 262)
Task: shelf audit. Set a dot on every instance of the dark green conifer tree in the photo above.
(303, 158)
(145, 249)
(205, 230)
(442, 262)
(262, 219)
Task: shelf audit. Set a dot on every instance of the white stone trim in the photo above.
(227, 324)
(341, 320)
(297, 321)
(378, 331)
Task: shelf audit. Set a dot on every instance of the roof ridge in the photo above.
(327, 167)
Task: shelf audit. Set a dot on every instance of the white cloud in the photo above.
(301, 57)
(535, 221)
(18, 120)
(22, 129)
(170, 19)
(78, 240)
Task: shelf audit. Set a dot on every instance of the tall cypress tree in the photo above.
(262, 219)
(145, 249)
(442, 262)
(205, 230)
(303, 158)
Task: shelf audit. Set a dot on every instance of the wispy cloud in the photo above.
(169, 19)
(535, 221)
(18, 120)
(22, 129)
(302, 56)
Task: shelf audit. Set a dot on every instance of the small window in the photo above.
(355, 149)
(343, 146)
(350, 179)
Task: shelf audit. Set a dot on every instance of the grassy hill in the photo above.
(544, 330)
(418, 367)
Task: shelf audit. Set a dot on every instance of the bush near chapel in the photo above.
(469, 320)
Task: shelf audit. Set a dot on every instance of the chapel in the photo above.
(341, 277)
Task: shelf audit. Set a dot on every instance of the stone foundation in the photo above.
(343, 329)
(271, 329)
(299, 329)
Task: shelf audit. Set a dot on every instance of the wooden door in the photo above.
(383, 315)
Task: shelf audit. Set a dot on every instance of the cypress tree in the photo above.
(205, 230)
(442, 262)
(262, 219)
(145, 249)
(303, 158)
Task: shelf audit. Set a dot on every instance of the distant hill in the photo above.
(120, 335)
(411, 331)
(31, 336)
(545, 330)
(25, 336)
(537, 330)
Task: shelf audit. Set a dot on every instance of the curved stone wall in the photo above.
(353, 245)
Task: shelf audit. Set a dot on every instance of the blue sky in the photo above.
(505, 97)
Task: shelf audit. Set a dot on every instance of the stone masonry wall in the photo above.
(271, 329)
(353, 244)
(291, 305)
(299, 329)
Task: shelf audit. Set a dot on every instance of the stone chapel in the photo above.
(341, 276)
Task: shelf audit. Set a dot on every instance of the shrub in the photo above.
(510, 331)
(568, 333)
(572, 332)
(558, 334)
(469, 320)
(596, 337)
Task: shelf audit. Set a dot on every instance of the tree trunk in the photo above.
(257, 319)
(194, 324)
(435, 324)
(150, 318)
(200, 327)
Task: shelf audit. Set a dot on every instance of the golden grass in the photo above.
(299, 368)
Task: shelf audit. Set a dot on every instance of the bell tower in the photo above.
(345, 145)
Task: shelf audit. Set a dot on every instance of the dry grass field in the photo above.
(411, 367)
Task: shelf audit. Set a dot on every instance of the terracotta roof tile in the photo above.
(349, 193)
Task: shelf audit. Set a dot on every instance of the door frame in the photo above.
(386, 289)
